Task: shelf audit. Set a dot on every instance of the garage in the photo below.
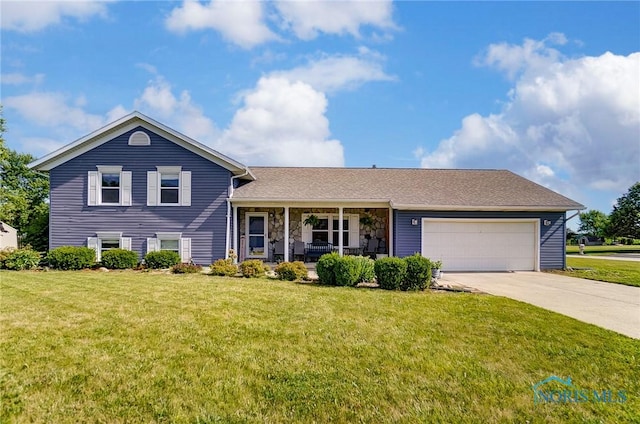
(482, 244)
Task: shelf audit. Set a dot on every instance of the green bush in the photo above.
(71, 257)
(186, 268)
(4, 254)
(224, 267)
(291, 271)
(418, 273)
(21, 259)
(162, 259)
(326, 268)
(390, 272)
(119, 259)
(365, 267)
(347, 271)
(253, 268)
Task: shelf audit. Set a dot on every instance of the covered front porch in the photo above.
(275, 233)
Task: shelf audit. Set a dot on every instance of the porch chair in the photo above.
(298, 250)
(278, 251)
(372, 248)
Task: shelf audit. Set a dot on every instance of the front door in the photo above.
(256, 230)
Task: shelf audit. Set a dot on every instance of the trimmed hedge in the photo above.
(186, 268)
(253, 268)
(119, 259)
(224, 268)
(326, 268)
(161, 259)
(20, 259)
(291, 271)
(418, 273)
(71, 257)
(391, 272)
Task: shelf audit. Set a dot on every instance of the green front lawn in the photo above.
(612, 271)
(604, 250)
(140, 347)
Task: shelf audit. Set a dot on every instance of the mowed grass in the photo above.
(612, 271)
(604, 250)
(137, 347)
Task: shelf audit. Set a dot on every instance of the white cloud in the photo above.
(307, 19)
(334, 73)
(282, 123)
(240, 22)
(16, 78)
(572, 124)
(30, 16)
(180, 112)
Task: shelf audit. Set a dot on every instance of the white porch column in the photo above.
(286, 233)
(340, 229)
(235, 231)
(390, 241)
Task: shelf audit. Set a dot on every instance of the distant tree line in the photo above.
(622, 222)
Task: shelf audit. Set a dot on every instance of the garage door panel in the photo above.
(481, 245)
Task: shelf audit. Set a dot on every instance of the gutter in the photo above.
(230, 191)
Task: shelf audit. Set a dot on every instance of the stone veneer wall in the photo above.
(276, 221)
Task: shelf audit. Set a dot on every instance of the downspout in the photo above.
(230, 191)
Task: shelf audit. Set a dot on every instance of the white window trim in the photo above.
(354, 227)
(154, 179)
(265, 215)
(96, 242)
(184, 244)
(94, 185)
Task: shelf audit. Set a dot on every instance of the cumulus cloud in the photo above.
(179, 112)
(333, 73)
(240, 22)
(568, 123)
(307, 19)
(282, 123)
(16, 78)
(244, 23)
(30, 16)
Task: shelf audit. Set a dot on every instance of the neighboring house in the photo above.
(8, 236)
(139, 185)
(590, 240)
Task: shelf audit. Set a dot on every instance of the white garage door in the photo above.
(481, 245)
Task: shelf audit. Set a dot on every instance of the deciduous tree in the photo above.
(625, 217)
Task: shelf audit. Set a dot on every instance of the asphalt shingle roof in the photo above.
(403, 188)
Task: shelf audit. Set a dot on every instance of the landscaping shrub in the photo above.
(71, 257)
(390, 272)
(418, 275)
(119, 259)
(325, 268)
(186, 268)
(224, 267)
(162, 259)
(21, 259)
(346, 271)
(291, 271)
(4, 254)
(365, 267)
(253, 268)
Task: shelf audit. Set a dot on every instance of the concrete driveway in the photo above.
(612, 306)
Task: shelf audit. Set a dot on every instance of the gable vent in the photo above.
(139, 138)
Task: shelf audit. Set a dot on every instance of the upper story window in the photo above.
(109, 186)
(139, 138)
(169, 186)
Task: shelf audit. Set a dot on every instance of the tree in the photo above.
(625, 217)
(23, 195)
(593, 223)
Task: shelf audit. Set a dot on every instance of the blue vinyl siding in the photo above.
(72, 221)
(407, 238)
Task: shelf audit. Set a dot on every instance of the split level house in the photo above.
(137, 184)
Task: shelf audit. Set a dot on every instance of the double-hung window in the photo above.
(171, 241)
(108, 240)
(169, 186)
(109, 186)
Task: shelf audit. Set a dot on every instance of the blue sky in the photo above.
(549, 90)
